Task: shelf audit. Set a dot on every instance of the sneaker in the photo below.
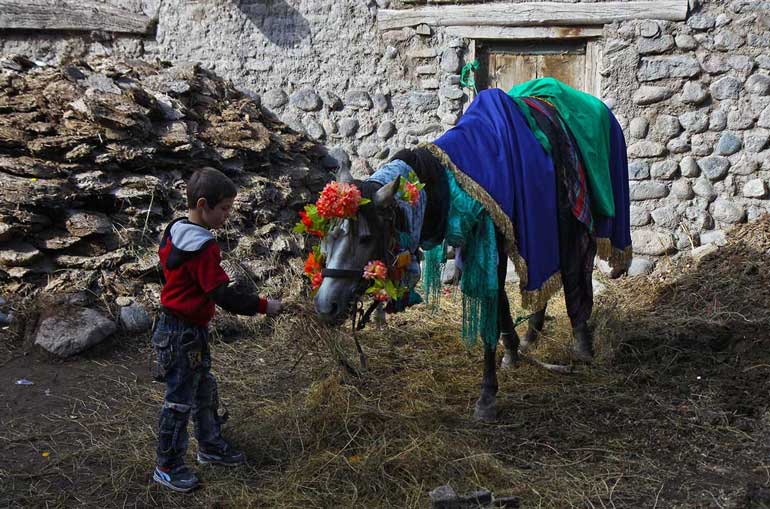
(228, 457)
(180, 478)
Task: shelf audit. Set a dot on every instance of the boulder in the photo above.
(70, 331)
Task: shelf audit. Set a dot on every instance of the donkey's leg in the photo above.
(584, 342)
(577, 249)
(507, 332)
(579, 292)
(486, 406)
(504, 319)
(534, 328)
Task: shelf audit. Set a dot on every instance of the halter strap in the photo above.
(351, 273)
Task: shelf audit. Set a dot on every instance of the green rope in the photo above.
(468, 75)
(521, 319)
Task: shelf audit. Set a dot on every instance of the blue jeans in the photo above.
(183, 362)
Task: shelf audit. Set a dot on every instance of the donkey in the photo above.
(356, 241)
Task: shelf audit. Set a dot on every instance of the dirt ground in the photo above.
(662, 424)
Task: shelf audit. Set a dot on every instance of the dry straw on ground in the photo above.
(673, 413)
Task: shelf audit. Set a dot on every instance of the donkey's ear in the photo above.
(386, 195)
(344, 175)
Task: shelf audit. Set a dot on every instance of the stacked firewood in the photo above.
(94, 156)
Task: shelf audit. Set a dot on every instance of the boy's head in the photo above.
(210, 196)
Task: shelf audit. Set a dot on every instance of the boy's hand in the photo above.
(274, 307)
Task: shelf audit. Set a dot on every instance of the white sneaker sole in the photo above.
(158, 479)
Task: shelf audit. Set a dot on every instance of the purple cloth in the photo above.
(493, 145)
(617, 229)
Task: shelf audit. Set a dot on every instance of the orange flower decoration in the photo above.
(338, 199)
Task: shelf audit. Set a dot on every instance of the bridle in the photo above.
(385, 249)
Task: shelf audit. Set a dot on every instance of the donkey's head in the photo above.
(349, 247)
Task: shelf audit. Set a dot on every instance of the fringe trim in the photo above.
(535, 300)
(617, 258)
(501, 220)
(531, 300)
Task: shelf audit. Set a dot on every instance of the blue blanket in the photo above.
(496, 159)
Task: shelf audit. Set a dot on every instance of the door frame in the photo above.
(592, 35)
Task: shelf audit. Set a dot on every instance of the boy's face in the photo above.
(216, 216)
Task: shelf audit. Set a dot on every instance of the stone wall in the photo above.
(691, 96)
(696, 123)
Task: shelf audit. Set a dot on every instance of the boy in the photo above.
(194, 283)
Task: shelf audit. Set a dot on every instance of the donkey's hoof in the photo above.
(530, 342)
(485, 412)
(510, 360)
(584, 353)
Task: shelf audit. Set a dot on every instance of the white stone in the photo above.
(450, 274)
(647, 94)
(640, 266)
(124, 301)
(717, 237)
(70, 332)
(639, 216)
(703, 251)
(135, 319)
(726, 88)
(652, 242)
(645, 190)
(694, 121)
(666, 217)
(511, 276)
(664, 170)
(694, 92)
(682, 190)
(646, 149)
(638, 127)
(756, 140)
(704, 189)
(758, 84)
(666, 127)
(685, 42)
(688, 167)
(728, 212)
(755, 188)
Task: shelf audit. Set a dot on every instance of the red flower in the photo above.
(305, 219)
(317, 280)
(381, 295)
(312, 266)
(338, 200)
(375, 270)
(412, 193)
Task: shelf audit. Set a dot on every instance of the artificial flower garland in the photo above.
(339, 201)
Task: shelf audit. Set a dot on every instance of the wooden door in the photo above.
(504, 64)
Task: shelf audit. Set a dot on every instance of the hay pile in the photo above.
(93, 159)
(709, 303)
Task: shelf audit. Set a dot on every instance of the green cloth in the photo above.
(470, 228)
(588, 120)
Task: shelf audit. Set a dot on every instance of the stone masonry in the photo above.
(693, 97)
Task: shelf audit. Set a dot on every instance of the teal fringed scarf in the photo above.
(470, 228)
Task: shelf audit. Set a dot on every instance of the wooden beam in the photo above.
(532, 14)
(514, 33)
(77, 16)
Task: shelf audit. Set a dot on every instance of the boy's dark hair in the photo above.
(211, 184)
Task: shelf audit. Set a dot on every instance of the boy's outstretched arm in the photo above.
(243, 303)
